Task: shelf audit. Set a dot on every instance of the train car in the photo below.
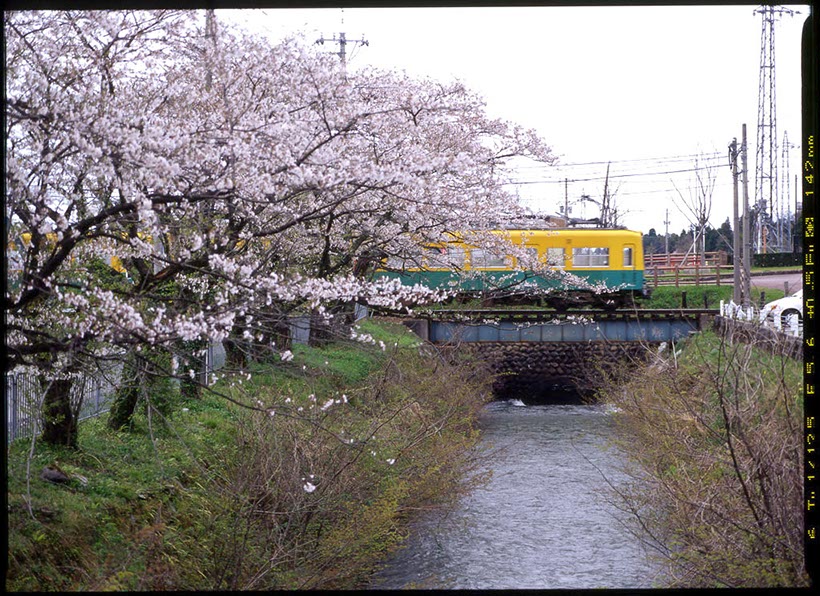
(605, 266)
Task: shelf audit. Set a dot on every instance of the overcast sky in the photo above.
(646, 88)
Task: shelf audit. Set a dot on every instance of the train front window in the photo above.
(590, 257)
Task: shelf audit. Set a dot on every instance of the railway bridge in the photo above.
(536, 354)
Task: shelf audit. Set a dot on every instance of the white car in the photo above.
(780, 312)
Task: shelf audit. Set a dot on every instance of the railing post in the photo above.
(656, 276)
(697, 273)
(717, 274)
(677, 272)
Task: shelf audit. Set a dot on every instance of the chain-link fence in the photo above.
(91, 395)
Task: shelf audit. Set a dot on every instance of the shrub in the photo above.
(715, 435)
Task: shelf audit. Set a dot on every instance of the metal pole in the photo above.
(736, 249)
(566, 202)
(747, 257)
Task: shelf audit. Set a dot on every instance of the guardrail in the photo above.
(680, 268)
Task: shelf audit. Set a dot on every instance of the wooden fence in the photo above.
(711, 268)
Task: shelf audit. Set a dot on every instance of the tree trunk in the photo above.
(191, 388)
(128, 393)
(236, 349)
(59, 422)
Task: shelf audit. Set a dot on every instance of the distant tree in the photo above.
(653, 244)
(696, 205)
(719, 239)
(682, 242)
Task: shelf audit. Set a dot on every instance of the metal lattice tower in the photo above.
(767, 233)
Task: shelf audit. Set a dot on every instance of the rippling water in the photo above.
(544, 520)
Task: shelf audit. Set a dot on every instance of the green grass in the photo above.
(120, 482)
(214, 496)
(699, 296)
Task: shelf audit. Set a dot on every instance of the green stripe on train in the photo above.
(495, 280)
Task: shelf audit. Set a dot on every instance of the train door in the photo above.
(628, 265)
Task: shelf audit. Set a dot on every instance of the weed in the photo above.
(715, 436)
(301, 476)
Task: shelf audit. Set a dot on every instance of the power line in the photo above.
(716, 156)
(652, 159)
(596, 178)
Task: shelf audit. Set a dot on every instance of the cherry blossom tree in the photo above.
(168, 185)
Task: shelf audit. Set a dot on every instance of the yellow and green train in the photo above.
(606, 267)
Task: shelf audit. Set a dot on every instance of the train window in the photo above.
(402, 262)
(555, 257)
(531, 258)
(445, 258)
(627, 256)
(590, 257)
(486, 259)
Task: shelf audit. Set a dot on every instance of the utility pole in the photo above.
(785, 214)
(566, 202)
(736, 250)
(666, 235)
(343, 41)
(210, 34)
(605, 202)
(747, 244)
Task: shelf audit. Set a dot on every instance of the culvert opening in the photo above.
(541, 391)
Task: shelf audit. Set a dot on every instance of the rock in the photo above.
(52, 473)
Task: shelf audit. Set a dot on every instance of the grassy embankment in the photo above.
(217, 496)
(715, 434)
(701, 296)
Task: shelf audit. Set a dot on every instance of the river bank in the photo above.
(308, 492)
(714, 433)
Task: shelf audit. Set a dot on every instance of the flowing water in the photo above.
(546, 519)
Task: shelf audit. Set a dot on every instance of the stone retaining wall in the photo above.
(539, 369)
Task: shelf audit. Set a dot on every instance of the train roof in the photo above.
(571, 232)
